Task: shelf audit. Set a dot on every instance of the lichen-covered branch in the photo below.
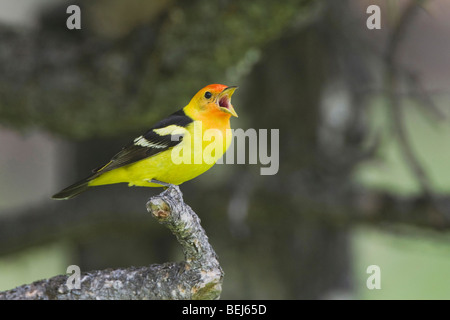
(198, 277)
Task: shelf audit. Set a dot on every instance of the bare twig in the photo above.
(198, 277)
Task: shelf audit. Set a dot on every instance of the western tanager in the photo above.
(153, 159)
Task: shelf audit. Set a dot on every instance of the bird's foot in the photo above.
(170, 190)
(165, 185)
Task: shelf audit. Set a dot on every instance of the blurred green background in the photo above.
(364, 129)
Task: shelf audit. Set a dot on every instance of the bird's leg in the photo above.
(164, 184)
(171, 189)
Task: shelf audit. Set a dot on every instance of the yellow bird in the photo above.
(174, 149)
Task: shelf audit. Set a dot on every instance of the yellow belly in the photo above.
(173, 166)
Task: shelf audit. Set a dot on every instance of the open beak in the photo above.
(224, 100)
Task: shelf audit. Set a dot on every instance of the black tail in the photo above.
(73, 190)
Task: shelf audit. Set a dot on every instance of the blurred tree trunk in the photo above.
(312, 255)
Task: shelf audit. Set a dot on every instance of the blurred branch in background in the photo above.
(393, 66)
(395, 73)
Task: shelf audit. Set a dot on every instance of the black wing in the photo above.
(149, 144)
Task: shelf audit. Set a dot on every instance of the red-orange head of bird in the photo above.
(214, 100)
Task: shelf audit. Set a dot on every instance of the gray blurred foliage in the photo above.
(296, 62)
(68, 80)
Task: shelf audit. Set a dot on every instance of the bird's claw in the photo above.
(167, 186)
(170, 190)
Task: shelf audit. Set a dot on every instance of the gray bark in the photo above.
(198, 277)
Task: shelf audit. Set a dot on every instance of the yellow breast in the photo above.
(202, 145)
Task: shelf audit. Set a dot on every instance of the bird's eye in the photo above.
(208, 94)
